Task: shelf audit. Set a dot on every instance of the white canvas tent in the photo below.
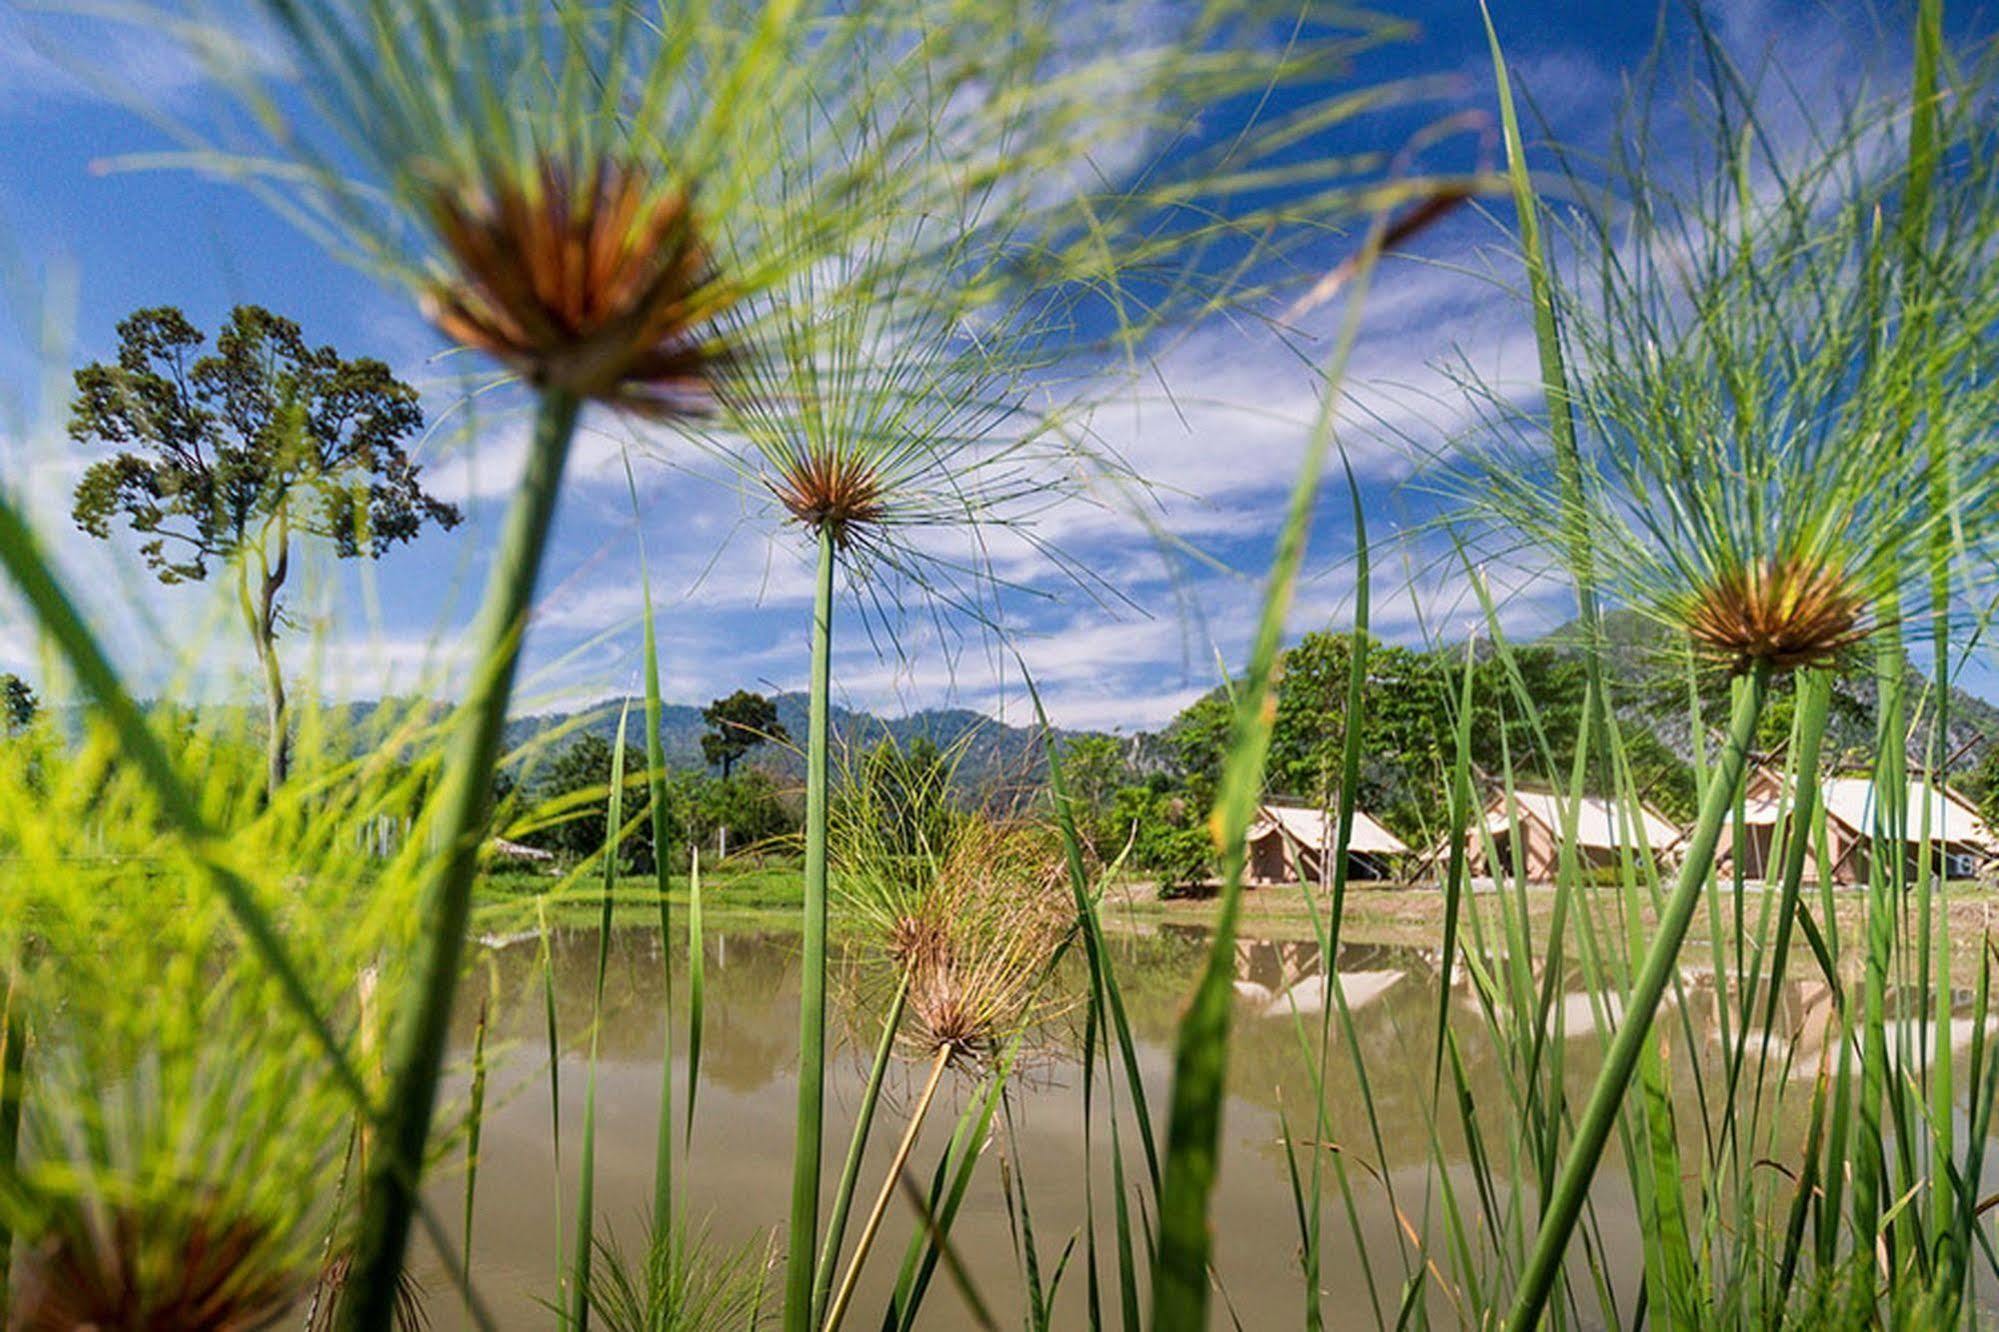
(1959, 840)
(1604, 830)
(1285, 838)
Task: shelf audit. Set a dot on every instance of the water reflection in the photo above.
(1386, 1006)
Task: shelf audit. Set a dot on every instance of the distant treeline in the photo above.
(1147, 799)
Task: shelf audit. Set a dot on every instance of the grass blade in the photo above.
(1600, 1113)
(586, 1186)
(662, 860)
(836, 1312)
(697, 987)
(553, 1037)
(22, 557)
(843, 1198)
(803, 1234)
(1106, 998)
(390, 1198)
(1200, 1063)
(475, 1114)
(13, 1072)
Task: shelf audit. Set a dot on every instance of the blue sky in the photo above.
(87, 245)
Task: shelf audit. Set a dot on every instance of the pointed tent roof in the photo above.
(1312, 830)
(1851, 801)
(1600, 824)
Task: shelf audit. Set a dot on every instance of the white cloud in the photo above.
(51, 61)
(1220, 454)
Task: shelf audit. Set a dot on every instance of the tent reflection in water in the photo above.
(1605, 831)
(1289, 840)
(1960, 844)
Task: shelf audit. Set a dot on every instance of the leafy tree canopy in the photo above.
(749, 804)
(571, 795)
(18, 704)
(1527, 711)
(567, 801)
(227, 455)
(216, 447)
(1093, 768)
(736, 725)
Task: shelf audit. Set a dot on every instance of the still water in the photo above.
(736, 1179)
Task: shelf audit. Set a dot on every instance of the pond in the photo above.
(736, 1180)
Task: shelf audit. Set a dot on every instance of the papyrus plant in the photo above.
(895, 439)
(967, 912)
(1753, 370)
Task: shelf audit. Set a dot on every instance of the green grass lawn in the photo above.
(732, 888)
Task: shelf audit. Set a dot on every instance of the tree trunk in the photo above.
(277, 755)
(260, 616)
(722, 829)
(277, 747)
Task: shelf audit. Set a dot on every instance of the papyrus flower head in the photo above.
(590, 277)
(978, 947)
(1790, 612)
(1774, 417)
(592, 194)
(843, 493)
(914, 436)
(968, 909)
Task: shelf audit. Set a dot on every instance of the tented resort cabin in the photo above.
(1959, 843)
(1604, 831)
(1288, 839)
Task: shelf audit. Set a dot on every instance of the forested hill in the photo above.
(1410, 696)
(995, 754)
(1406, 738)
(1642, 655)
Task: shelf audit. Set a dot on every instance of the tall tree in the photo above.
(228, 457)
(736, 725)
(573, 791)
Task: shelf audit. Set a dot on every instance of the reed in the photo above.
(1180, 1286)
(883, 423)
(620, 212)
(684, 1284)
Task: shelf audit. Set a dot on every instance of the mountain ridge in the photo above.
(995, 754)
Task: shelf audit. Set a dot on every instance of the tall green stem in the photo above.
(1548, 346)
(837, 1312)
(1886, 879)
(1599, 1115)
(798, 1268)
(662, 1176)
(586, 1174)
(1814, 706)
(1925, 135)
(390, 1200)
(13, 1068)
(843, 1197)
(1561, 410)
